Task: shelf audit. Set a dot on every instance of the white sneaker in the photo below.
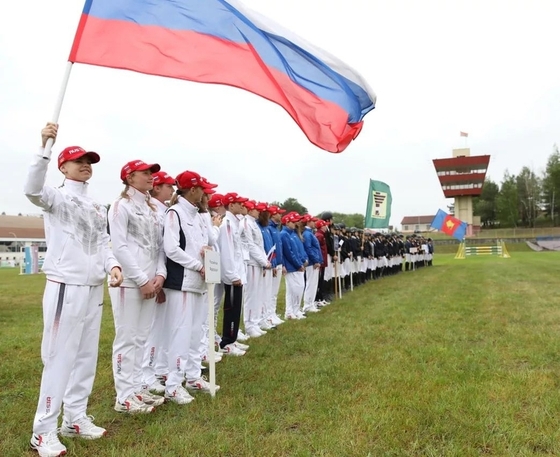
(311, 309)
(241, 336)
(290, 317)
(276, 320)
(200, 385)
(300, 316)
(254, 332)
(241, 346)
(157, 387)
(47, 444)
(231, 349)
(217, 357)
(132, 405)
(83, 428)
(179, 396)
(145, 396)
(265, 325)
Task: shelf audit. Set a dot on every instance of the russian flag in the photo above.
(222, 42)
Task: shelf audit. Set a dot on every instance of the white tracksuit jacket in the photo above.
(75, 229)
(196, 237)
(231, 254)
(137, 239)
(255, 242)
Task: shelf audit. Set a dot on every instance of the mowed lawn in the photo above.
(460, 359)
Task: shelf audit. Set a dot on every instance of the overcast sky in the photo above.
(490, 68)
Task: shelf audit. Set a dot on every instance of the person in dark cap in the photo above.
(407, 255)
(430, 252)
(327, 216)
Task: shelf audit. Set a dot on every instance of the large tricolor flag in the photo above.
(223, 42)
(449, 225)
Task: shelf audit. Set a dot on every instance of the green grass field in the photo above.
(460, 359)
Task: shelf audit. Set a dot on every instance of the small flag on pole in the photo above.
(465, 134)
(449, 225)
(378, 211)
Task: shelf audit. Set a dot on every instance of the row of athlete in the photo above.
(153, 253)
(354, 256)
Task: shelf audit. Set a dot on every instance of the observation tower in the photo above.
(461, 177)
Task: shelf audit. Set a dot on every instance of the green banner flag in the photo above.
(378, 210)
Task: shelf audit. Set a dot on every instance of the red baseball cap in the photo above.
(306, 218)
(189, 179)
(293, 217)
(209, 185)
(261, 206)
(216, 200)
(273, 209)
(74, 153)
(138, 165)
(161, 177)
(232, 197)
(250, 204)
(320, 224)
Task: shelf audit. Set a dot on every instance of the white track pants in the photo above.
(133, 316)
(266, 296)
(294, 292)
(71, 323)
(311, 283)
(186, 316)
(218, 297)
(329, 269)
(254, 299)
(155, 356)
(276, 281)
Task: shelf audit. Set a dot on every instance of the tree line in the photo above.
(528, 199)
(350, 220)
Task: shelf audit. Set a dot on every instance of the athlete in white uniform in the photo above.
(155, 358)
(137, 239)
(76, 264)
(233, 272)
(212, 225)
(217, 209)
(254, 302)
(185, 242)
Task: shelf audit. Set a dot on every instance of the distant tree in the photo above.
(19, 214)
(508, 202)
(3, 213)
(551, 186)
(350, 220)
(486, 206)
(529, 196)
(292, 204)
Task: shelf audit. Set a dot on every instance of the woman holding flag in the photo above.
(77, 262)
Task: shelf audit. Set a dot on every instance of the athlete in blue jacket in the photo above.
(295, 266)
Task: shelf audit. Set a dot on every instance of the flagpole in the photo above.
(58, 108)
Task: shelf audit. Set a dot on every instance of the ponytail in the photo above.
(175, 198)
(124, 194)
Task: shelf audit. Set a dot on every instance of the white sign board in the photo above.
(212, 268)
